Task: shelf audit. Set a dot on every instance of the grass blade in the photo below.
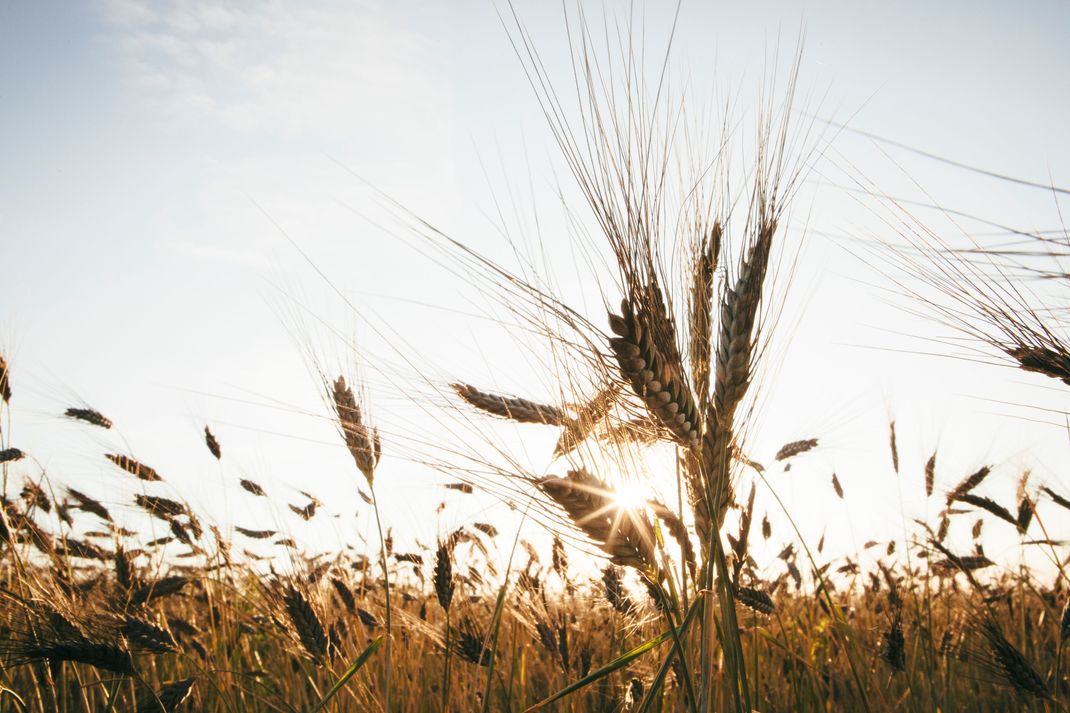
(350, 672)
(614, 665)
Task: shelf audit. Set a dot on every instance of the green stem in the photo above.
(653, 694)
(386, 589)
(670, 619)
(499, 606)
(446, 669)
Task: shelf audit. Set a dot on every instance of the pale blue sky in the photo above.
(139, 139)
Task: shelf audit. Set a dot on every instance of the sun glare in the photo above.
(629, 496)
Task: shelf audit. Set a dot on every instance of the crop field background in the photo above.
(624, 357)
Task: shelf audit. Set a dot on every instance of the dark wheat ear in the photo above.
(614, 588)
(739, 317)
(755, 599)
(5, 380)
(143, 635)
(968, 484)
(87, 504)
(10, 455)
(158, 589)
(213, 443)
(990, 506)
(88, 415)
(255, 534)
(107, 656)
(163, 508)
(443, 577)
(893, 649)
(1014, 668)
(306, 623)
(471, 643)
(1053, 362)
(250, 486)
(168, 698)
(133, 467)
(345, 594)
(1055, 497)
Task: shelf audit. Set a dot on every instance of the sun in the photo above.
(629, 496)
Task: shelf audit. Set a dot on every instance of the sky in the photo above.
(194, 194)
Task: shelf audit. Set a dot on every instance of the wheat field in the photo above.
(646, 596)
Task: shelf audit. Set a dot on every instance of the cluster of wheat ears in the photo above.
(97, 617)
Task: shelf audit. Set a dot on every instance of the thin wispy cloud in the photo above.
(291, 68)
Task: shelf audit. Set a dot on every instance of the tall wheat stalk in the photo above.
(365, 447)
